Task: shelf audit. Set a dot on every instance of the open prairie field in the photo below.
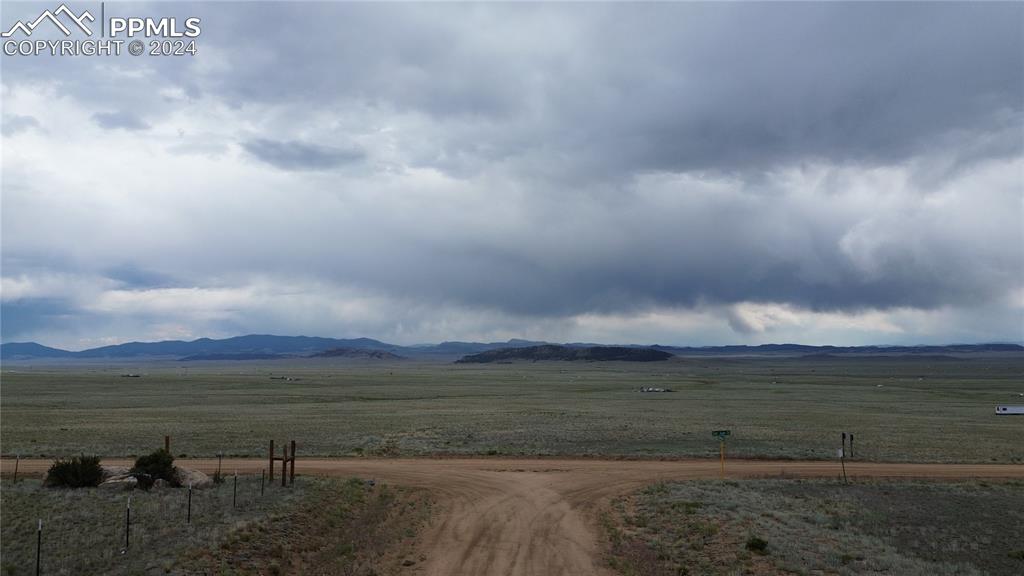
(927, 410)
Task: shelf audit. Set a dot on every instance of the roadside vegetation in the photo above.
(75, 472)
(84, 530)
(344, 528)
(819, 527)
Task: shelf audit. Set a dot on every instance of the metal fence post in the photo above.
(39, 545)
(127, 523)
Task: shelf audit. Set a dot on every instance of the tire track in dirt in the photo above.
(526, 517)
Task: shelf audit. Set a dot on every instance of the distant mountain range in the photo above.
(253, 347)
(258, 346)
(357, 353)
(568, 353)
(360, 353)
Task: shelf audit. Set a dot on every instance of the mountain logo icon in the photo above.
(78, 20)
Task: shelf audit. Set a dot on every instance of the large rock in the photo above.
(195, 478)
(120, 483)
(114, 472)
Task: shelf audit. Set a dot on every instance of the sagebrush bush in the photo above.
(757, 545)
(158, 465)
(76, 472)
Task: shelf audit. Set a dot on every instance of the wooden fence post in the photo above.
(291, 479)
(271, 476)
(167, 444)
(284, 466)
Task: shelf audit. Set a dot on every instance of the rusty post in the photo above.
(167, 444)
(291, 479)
(271, 477)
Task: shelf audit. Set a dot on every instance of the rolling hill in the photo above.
(358, 353)
(567, 353)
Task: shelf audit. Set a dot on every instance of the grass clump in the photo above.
(75, 472)
(757, 545)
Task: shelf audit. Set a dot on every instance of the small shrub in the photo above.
(1017, 554)
(76, 472)
(158, 465)
(705, 529)
(687, 506)
(757, 545)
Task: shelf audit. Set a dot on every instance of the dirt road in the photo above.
(518, 517)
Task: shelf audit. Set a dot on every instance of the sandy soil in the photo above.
(519, 517)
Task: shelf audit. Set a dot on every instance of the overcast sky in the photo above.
(657, 173)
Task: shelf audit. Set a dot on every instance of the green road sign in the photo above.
(721, 433)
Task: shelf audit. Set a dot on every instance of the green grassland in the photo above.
(927, 410)
(819, 527)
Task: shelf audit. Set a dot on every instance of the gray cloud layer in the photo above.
(299, 155)
(124, 120)
(544, 162)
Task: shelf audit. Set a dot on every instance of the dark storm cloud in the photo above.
(292, 155)
(653, 87)
(549, 160)
(24, 319)
(120, 119)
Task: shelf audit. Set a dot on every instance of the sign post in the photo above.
(721, 435)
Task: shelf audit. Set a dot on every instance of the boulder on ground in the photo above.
(113, 472)
(194, 478)
(120, 483)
